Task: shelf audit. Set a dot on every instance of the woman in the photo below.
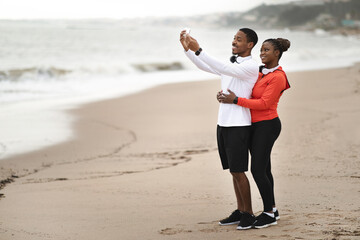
(266, 125)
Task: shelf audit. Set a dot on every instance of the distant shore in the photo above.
(347, 32)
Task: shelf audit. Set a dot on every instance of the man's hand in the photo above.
(183, 40)
(188, 42)
(226, 98)
(193, 44)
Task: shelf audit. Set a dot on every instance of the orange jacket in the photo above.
(265, 95)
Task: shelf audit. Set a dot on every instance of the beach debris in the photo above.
(61, 179)
(5, 181)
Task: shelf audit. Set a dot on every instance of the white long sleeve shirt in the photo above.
(239, 77)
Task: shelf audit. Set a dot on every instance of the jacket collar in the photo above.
(269, 70)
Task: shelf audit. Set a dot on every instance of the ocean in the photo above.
(48, 67)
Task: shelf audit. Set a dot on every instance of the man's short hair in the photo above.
(250, 35)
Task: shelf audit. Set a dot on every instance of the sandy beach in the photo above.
(146, 166)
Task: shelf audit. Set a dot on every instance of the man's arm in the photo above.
(185, 42)
(200, 64)
(243, 71)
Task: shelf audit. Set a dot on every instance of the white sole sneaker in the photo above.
(227, 224)
(266, 225)
(243, 228)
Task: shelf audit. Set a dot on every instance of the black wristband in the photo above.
(197, 53)
(236, 100)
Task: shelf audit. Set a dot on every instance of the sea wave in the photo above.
(43, 73)
(32, 73)
(153, 67)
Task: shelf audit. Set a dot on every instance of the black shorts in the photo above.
(233, 146)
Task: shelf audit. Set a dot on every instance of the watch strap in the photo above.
(236, 100)
(197, 53)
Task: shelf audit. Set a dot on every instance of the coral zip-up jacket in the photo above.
(265, 95)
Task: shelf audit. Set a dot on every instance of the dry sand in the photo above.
(146, 166)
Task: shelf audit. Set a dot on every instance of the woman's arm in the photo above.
(269, 97)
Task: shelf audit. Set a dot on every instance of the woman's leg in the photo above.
(264, 135)
(271, 179)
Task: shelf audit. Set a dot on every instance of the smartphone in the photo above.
(187, 31)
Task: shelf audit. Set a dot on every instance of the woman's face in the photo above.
(268, 55)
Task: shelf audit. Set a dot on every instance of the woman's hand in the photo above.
(226, 98)
(218, 96)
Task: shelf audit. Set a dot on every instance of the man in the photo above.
(233, 130)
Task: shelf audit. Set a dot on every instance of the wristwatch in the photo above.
(197, 53)
(236, 100)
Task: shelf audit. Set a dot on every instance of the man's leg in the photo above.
(239, 201)
(233, 143)
(242, 192)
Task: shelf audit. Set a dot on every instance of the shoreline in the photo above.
(64, 107)
(142, 159)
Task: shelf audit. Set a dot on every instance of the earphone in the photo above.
(233, 58)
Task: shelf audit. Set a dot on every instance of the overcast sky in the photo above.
(40, 9)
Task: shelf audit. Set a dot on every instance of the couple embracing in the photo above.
(247, 119)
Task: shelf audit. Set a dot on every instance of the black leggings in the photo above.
(263, 137)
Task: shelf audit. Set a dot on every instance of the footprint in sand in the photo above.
(173, 231)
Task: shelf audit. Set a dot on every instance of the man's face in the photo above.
(240, 45)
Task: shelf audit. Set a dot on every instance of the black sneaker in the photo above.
(234, 218)
(277, 216)
(264, 220)
(246, 221)
(276, 213)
